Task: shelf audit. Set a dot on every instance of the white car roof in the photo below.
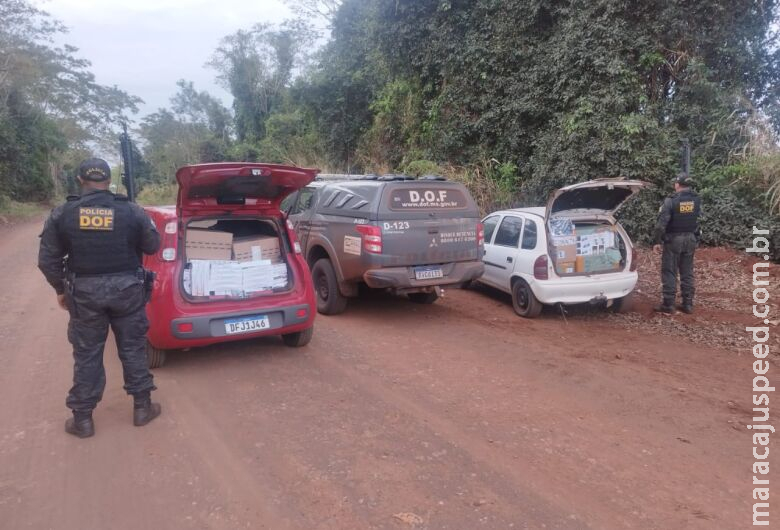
(537, 210)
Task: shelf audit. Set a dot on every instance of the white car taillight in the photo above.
(171, 227)
(169, 254)
(297, 247)
(541, 268)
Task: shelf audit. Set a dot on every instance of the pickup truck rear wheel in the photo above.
(524, 302)
(330, 301)
(155, 357)
(299, 338)
(423, 298)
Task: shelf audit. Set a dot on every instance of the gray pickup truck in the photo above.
(409, 236)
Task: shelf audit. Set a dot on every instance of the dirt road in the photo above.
(453, 416)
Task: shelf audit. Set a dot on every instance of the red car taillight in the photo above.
(480, 234)
(541, 268)
(634, 260)
(293, 237)
(169, 241)
(372, 238)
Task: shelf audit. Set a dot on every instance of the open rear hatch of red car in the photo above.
(208, 189)
(235, 242)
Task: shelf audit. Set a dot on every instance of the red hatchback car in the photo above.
(229, 265)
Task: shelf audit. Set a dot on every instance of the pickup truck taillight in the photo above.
(480, 234)
(634, 260)
(541, 268)
(169, 240)
(372, 238)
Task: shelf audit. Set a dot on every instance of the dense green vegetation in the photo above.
(51, 108)
(515, 97)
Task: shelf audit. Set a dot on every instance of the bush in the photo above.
(491, 184)
(158, 195)
(419, 168)
(727, 219)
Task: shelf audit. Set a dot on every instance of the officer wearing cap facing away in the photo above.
(678, 228)
(90, 252)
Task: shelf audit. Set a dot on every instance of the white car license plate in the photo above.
(247, 324)
(428, 273)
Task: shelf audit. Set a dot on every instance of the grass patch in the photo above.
(11, 210)
(158, 195)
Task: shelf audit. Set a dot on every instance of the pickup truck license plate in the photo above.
(247, 324)
(428, 273)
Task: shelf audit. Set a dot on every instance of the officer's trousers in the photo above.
(678, 256)
(95, 303)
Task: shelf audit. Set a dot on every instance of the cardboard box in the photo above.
(564, 267)
(594, 240)
(257, 248)
(208, 244)
(565, 248)
(609, 261)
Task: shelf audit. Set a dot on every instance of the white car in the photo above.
(572, 251)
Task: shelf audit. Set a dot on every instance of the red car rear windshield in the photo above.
(233, 186)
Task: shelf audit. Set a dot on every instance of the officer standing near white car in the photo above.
(90, 252)
(678, 228)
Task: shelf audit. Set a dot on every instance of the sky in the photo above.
(145, 46)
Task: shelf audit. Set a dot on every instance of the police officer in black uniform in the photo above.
(678, 228)
(90, 253)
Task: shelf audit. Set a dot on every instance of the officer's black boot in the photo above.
(664, 307)
(687, 306)
(144, 410)
(80, 424)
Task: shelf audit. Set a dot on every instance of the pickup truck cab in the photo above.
(200, 296)
(409, 236)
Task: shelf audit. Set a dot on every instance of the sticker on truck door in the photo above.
(352, 245)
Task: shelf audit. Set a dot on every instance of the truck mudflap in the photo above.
(408, 279)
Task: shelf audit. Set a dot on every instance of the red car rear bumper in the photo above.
(182, 331)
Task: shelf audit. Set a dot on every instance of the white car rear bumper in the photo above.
(581, 289)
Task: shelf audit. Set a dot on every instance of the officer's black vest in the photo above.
(686, 207)
(101, 234)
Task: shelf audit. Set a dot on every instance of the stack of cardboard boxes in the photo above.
(584, 249)
(564, 243)
(219, 265)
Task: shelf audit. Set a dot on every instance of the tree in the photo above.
(49, 102)
(201, 108)
(256, 65)
(196, 129)
(313, 9)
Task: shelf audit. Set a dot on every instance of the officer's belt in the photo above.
(95, 275)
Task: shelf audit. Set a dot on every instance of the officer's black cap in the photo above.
(95, 169)
(683, 179)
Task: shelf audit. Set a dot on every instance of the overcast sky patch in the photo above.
(145, 46)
